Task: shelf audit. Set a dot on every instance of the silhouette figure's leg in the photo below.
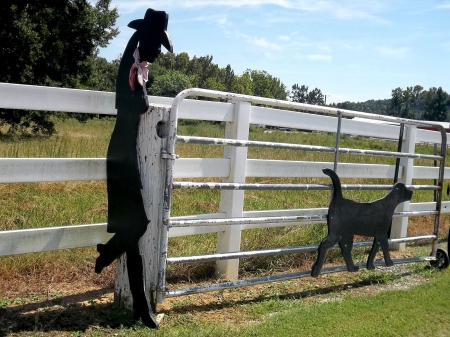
(326, 244)
(109, 252)
(141, 304)
(346, 244)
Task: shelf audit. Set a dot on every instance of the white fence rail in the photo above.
(15, 170)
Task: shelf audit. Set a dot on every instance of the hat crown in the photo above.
(154, 23)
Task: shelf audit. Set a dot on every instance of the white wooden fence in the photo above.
(234, 167)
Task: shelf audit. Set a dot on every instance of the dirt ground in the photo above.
(41, 306)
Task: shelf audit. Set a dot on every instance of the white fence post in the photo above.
(400, 224)
(151, 140)
(232, 202)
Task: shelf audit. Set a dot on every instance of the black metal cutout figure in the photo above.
(126, 213)
(347, 218)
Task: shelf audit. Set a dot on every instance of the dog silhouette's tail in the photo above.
(337, 189)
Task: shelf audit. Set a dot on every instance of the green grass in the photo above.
(421, 310)
(36, 205)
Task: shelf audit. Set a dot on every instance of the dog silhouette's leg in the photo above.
(385, 246)
(346, 244)
(373, 252)
(326, 244)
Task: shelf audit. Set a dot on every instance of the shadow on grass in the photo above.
(310, 293)
(82, 312)
(72, 313)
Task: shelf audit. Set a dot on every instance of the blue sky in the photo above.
(352, 50)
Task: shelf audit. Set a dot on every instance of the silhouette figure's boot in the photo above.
(141, 303)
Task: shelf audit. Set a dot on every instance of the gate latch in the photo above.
(166, 155)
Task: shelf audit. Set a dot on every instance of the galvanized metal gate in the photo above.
(170, 155)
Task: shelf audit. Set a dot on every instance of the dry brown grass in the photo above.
(71, 272)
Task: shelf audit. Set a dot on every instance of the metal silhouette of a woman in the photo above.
(126, 213)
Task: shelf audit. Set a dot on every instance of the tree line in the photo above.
(413, 102)
(172, 73)
(57, 44)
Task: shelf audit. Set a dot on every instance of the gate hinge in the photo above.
(166, 155)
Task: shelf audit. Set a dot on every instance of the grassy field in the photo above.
(37, 205)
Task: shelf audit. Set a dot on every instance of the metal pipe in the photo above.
(251, 143)
(242, 221)
(439, 192)
(227, 96)
(390, 154)
(399, 149)
(338, 142)
(275, 278)
(296, 187)
(170, 149)
(277, 251)
(287, 146)
(273, 219)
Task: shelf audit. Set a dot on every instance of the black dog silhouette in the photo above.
(347, 218)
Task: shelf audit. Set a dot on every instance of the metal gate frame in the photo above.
(169, 154)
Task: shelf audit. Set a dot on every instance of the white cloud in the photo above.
(352, 47)
(344, 10)
(444, 6)
(399, 52)
(220, 20)
(284, 37)
(319, 57)
(324, 48)
(130, 6)
(262, 42)
(344, 13)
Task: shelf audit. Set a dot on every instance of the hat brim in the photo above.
(163, 36)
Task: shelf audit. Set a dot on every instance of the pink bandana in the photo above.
(139, 70)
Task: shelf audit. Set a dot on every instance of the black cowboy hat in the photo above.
(156, 23)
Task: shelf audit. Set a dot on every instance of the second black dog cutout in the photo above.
(347, 218)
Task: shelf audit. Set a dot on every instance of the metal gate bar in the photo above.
(299, 187)
(273, 219)
(282, 277)
(172, 138)
(279, 251)
(287, 146)
(399, 149)
(252, 143)
(338, 142)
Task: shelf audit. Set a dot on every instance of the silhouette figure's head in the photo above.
(152, 32)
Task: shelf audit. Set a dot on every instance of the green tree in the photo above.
(203, 73)
(104, 74)
(396, 106)
(229, 79)
(242, 85)
(265, 85)
(436, 103)
(170, 84)
(52, 43)
(301, 94)
(406, 103)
